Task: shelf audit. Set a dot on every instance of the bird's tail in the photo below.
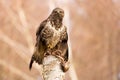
(31, 62)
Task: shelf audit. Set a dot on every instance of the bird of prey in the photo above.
(51, 39)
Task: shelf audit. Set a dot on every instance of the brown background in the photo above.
(94, 31)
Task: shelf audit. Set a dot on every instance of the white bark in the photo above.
(52, 69)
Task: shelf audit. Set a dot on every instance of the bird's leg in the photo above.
(57, 54)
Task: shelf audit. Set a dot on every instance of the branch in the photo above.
(52, 69)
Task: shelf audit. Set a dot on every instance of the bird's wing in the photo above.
(38, 32)
(64, 48)
(64, 56)
(63, 45)
(39, 46)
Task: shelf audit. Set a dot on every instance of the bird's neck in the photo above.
(56, 22)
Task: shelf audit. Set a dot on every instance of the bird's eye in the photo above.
(55, 11)
(60, 11)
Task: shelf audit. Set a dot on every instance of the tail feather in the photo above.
(31, 62)
(37, 58)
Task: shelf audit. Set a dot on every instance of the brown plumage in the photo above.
(51, 39)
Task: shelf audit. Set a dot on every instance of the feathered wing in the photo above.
(38, 54)
(64, 48)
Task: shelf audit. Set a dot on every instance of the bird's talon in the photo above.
(57, 52)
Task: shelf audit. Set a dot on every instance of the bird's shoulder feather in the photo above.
(42, 25)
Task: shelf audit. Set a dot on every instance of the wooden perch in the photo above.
(52, 69)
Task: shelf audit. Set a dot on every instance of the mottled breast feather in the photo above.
(51, 36)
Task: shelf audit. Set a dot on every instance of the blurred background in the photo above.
(94, 37)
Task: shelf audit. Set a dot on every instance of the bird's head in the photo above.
(58, 12)
(56, 17)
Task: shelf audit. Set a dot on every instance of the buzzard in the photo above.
(51, 39)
